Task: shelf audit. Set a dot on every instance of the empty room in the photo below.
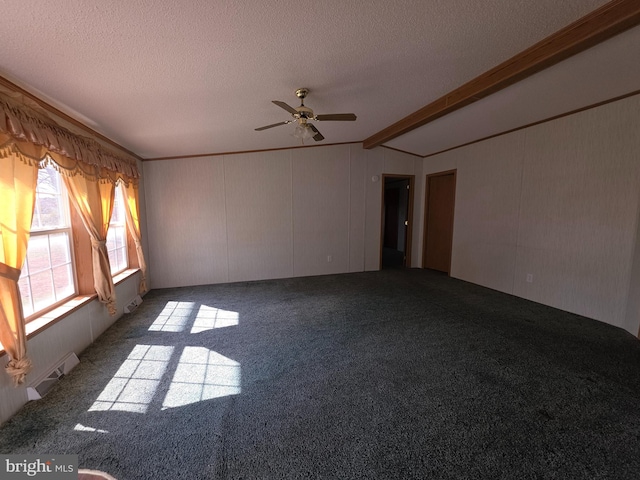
(388, 239)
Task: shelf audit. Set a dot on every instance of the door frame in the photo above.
(409, 233)
(426, 214)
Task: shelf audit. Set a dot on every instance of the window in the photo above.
(117, 235)
(58, 263)
(47, 276)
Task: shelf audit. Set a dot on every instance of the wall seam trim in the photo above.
(364, 221)
(364, 216)
(226, 216)
(519, 218)
(349, 217)
(293, 238)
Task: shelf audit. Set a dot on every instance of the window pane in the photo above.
(122, 238)
(42, 289)
(60, 248)
(121, 255)
(111, 240)
(38, 253)
(117, 236)
(25, 266)
(47, 276)
(117, 215)
(63, 281)
(49, 212)
(25, 295)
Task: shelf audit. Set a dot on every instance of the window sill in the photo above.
(50, 318)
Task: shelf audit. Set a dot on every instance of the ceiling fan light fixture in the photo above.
(303, 132)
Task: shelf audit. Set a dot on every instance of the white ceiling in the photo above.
(167, 78)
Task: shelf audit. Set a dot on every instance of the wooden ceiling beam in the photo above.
(603, 23)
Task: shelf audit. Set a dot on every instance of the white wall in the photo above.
(267, 215)
(558, 201)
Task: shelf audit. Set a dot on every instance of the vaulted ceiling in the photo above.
(166, 78)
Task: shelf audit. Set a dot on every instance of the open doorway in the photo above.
(397, 212)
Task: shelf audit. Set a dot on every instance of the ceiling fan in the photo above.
(301, 115)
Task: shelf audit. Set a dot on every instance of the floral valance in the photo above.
(22, 128)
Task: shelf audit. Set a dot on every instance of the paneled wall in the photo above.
(550, 213)
(235, 218)
(286, 213)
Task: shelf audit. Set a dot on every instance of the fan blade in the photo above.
(288, 108)
(318, 136)
(345, 117)
(271, 126)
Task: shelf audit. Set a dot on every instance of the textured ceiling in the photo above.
(166, 78)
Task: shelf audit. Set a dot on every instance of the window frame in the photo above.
(67, 212)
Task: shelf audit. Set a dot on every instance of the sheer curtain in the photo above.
(133, 223)
(94, 202)
(28, 140)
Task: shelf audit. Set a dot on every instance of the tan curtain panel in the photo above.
(94, 202)
(18, 180)
(130, 192)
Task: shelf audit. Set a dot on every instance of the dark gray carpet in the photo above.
(381, 375)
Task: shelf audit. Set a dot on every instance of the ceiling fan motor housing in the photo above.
(304, 112)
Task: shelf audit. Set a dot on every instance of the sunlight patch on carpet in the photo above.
(209, 318)
(174, 317)
(135, 383)
(202, 374)
(82, 428)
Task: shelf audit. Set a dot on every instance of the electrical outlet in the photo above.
(329, 258)
(529, 277)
